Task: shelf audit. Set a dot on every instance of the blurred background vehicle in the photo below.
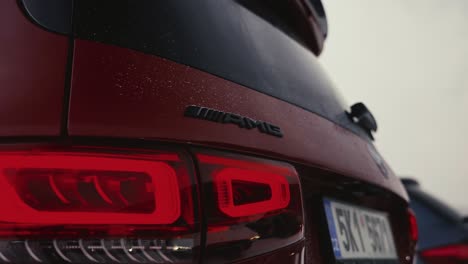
(443, 232)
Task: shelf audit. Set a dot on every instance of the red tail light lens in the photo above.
(243, 192)
(253, 206)
(453, 254)
(413, 226)
(73, 189)
(93, 206)
(89, 205)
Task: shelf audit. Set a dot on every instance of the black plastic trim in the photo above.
(53, 15)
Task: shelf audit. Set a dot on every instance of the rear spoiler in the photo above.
(407, 182)
(313, 14)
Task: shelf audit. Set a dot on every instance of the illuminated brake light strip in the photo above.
(269, 184)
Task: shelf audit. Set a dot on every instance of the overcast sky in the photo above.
(407, 60)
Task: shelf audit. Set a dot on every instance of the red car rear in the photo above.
(185, 132)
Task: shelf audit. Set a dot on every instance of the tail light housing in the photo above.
(413, 234)
(451, 254)
(252, 205)
(84, 205)
(413, 227)
(109, 205)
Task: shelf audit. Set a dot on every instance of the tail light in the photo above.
(452, 254)
(413, 234)
(413, 227)
(252, 205)
(97, 206)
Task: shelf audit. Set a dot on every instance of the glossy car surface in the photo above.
(102, 75)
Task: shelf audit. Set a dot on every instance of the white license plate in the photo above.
(359, 234)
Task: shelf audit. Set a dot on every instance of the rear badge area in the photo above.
(217, 116)
(378, 160)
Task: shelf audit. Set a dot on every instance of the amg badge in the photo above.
(226, 118)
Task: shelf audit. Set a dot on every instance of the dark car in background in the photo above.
(443, 233)
(185, 132)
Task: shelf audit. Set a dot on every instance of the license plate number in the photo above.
(359, 234)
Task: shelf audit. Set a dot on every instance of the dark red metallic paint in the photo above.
(32, 75)
(121, 93)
